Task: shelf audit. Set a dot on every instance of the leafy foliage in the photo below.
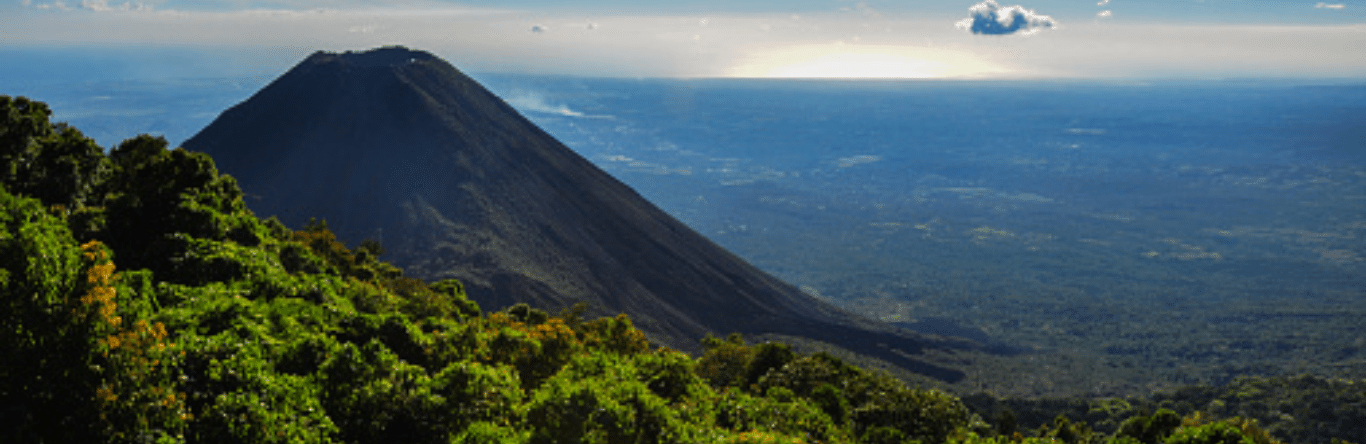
(1303, 409)
(52, 162)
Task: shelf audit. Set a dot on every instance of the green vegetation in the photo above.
(1303, 409)
(143, 302)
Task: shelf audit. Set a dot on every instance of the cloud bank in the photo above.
(990, 18)
(843, 45)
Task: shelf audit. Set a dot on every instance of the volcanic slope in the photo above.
(397, 145)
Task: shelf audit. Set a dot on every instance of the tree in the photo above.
(187, 195)
(47, 329)
(54, 163)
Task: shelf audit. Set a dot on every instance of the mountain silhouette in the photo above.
(399, 146)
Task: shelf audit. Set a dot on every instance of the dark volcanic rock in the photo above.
(397, 145)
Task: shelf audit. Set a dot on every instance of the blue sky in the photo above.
(705, 38)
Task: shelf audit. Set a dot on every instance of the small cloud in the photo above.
(288, 12)
(991, 18)
(362, 29)
(104, 6)
(1104, 14)
(539, 29)
(25, 2)
(846, 162)
(1102, 2)
(61, 5)
(96, 5)
(860, 6)
(1322, 5)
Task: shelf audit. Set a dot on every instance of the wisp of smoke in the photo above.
(528, 101)
(991, 18)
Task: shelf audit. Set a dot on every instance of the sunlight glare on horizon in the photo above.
(840, 60)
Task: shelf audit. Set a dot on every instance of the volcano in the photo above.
(399, 146)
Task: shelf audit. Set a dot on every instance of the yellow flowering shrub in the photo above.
(136, 395)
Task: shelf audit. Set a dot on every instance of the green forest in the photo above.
(143, 302)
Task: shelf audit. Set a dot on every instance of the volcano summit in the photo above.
(397, 145)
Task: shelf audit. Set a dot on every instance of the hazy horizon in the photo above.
(1034, 39)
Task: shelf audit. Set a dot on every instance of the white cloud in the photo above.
(58, 5)
(1322, 5)
(861, 6)
(990, 18)
(1104, 14)
(96, 5)
(846, 162)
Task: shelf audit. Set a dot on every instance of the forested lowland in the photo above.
(143, 302)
